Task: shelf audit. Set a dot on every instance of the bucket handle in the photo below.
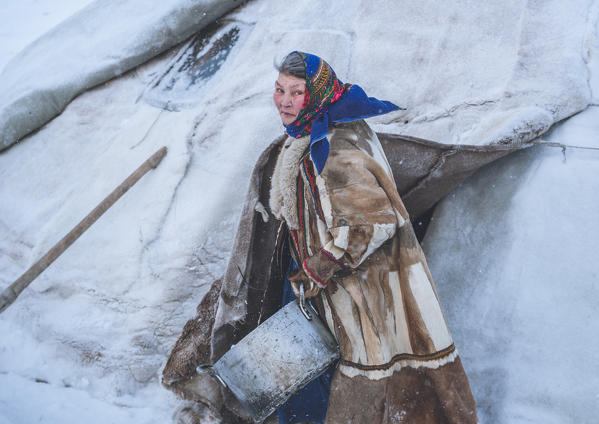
(209, 370)
(302, 303)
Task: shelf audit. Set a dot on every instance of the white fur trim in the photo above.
(334, 250)
(283, 189)
(341, 237)
(396, 320)
(380, 234)
(323, 234)
(344, 306)
(325, 201)
(259, 207)
(308, 232)
(328, 315)
(427, 302)
(400, 219)
(412, 363)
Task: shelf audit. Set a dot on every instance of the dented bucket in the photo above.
(277, 359)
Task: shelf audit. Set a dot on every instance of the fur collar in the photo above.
(283, 189)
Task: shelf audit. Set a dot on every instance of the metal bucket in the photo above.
(277, 359)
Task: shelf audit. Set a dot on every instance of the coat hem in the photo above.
(377, 372)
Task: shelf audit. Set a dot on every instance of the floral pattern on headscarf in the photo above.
(327, 101)
(323, 88)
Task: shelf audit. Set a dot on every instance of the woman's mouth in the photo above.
(287, 117)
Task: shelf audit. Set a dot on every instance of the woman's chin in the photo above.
(287, 119)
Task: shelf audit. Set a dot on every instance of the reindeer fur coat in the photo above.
(351, 233)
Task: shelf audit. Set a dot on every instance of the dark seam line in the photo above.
(401, 356)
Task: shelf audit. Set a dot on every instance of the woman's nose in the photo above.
(286, 100)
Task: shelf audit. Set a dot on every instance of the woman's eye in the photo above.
(299, 93)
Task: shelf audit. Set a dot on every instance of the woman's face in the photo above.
(289, 97)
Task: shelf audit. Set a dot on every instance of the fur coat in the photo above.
(351, 233)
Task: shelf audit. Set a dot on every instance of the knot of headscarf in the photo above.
(328, 100)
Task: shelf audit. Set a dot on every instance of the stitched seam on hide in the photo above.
(311, 178)
(349, 185)
(398, 367)
(332, 258)
(401, 357)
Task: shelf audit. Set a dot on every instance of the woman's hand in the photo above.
(300, 277)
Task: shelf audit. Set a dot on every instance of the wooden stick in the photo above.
(10, 294)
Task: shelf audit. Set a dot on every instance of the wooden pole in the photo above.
(10, 294)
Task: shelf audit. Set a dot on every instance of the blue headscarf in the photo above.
(329, 101)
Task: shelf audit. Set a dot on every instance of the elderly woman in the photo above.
(355, 249)
(352, 245)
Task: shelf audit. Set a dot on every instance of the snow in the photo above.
(109, 309)
(584, 125)
(89, 337)
(477, 73)
(99, 42)
(51, 403)
(512, 253)
(508, 86)
(25, 20)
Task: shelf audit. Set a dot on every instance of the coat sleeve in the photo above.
(357, 212)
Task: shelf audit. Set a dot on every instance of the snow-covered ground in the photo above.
(87, 340)
(41, 376)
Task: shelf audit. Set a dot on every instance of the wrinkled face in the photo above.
(289, 97)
